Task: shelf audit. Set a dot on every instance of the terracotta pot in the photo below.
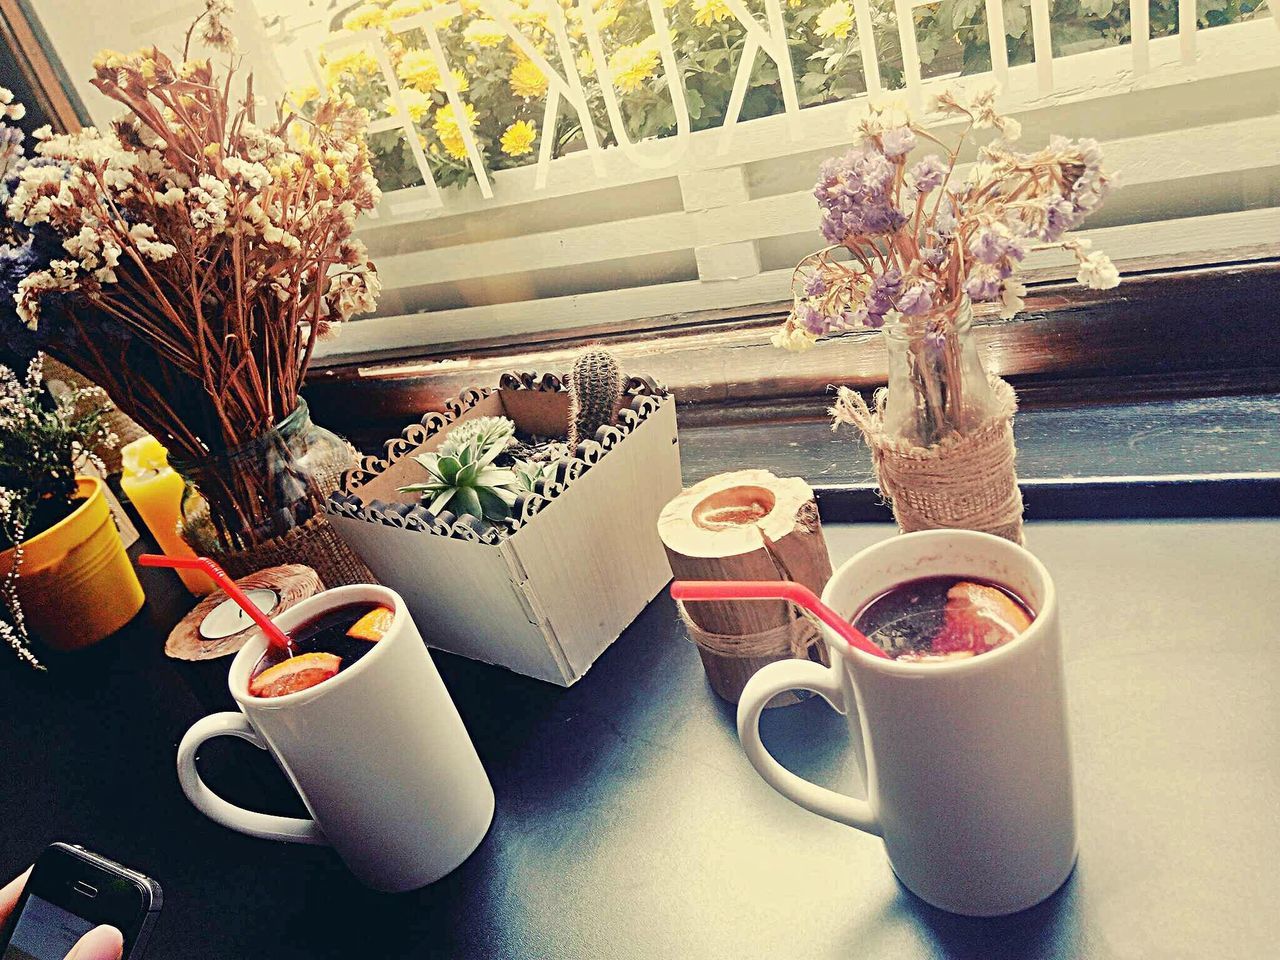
(76, 584)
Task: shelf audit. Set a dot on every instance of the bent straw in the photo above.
(275, 636)
(797, 593)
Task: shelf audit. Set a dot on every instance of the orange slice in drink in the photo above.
(296, 673)
(373, 626)
(978, 617)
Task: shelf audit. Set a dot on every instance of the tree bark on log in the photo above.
(747, 525)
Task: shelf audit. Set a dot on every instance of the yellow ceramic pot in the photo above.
(76, 584)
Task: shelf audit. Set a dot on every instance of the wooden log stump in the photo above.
(747, 525)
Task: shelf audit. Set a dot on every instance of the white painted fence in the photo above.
(716, 218)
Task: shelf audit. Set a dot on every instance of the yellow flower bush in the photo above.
(417, 103)
(835, 21)
(446, 128)
(517, 139)
(418, 69)
(633, 64)
(506, 92)
(708, 12)
(365, 16)
(484, 33)
(527, 80)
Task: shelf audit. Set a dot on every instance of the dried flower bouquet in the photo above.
(188, 259)
(911, 247)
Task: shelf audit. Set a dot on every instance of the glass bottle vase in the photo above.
(243, 497)
(937, 386)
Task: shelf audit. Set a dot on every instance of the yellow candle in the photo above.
(156, 490)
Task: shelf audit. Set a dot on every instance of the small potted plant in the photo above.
(66, 578)
(520, 523)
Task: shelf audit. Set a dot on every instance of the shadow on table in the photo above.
(1049, 929)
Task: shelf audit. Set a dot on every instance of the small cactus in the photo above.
(594, 387)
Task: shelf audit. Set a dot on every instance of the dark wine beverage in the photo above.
(943, 618)
(320, 648)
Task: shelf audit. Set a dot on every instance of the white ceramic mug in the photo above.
(967, 763)
(378, 754)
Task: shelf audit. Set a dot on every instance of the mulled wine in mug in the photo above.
(960, 733)
(356, 715)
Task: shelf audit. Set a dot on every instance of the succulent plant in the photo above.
(594, 387)
(529, 472)
(490, 432)
(464, 479)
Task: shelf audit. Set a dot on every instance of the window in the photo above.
(651, 199)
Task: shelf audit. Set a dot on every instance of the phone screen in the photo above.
(45, 931)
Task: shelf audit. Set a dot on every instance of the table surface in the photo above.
(629, 824)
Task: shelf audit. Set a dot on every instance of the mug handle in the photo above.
(768, 682)
(228, 814)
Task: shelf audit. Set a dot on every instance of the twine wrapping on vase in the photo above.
(314, 542)
(965, 481)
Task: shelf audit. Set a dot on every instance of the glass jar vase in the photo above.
(240, 498)
(937, 386)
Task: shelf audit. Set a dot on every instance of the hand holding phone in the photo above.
(76, 905)
(99, 943)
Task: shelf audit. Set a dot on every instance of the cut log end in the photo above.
(745, 525)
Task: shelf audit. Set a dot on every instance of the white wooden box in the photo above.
(547, 594)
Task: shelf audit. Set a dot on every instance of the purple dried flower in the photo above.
(944, 224)
(815, 286)
(814, 321)
(935, 344)
(883, 293)
(933, 256)
(854, 317)
(875, 169)
(917, 299)
(983, 283)
(929, 173)
(995, 243)
(898, 141)
(851, 193)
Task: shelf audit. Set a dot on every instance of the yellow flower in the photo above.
(415, 101)
(357, 63)
(586, 65)
(365, 16)
(527, 80)
(484, 33)
(835, 21)
(407, 8)
(459, 78)
(633, 64)
(707, 12)
(304, 95)
(517, 139)
(446, 127)
(418, 70)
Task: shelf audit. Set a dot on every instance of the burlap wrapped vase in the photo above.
(965, 480)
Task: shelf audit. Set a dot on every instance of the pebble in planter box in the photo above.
(546, 588)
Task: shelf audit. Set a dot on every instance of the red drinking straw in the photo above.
(275, 636)
(797, 593)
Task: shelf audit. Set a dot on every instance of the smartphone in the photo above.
(70, 892)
